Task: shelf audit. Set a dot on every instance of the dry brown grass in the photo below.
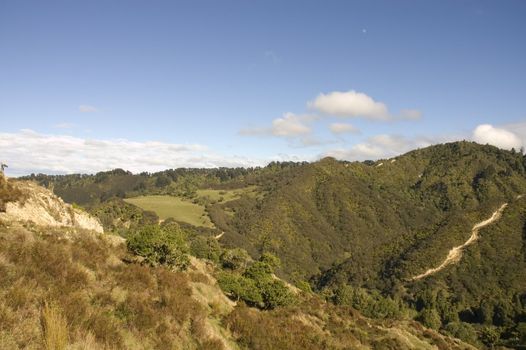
(99, 303)
(8, 193)
(92, 300)
(54, 328)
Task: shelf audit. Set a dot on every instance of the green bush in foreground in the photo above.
(160, 246)
(240, 288)
(257, 286)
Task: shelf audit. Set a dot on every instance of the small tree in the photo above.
(259, 271)
(461, 330)
(240, 288)
(273, 261)
(489, 336)
(430, 318)
(275, 293)
(235, 259)
(205, 248)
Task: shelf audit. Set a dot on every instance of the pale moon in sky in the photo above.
(364, 30)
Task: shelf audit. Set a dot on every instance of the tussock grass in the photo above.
(62, 294)
(54, 328)
(8, 193)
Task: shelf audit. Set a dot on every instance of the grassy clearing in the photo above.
(174, 207)
(226, 195)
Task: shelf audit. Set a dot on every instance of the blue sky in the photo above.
(146, 85)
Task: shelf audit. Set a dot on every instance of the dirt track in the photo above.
(455, 254)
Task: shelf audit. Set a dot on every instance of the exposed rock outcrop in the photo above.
(41, 207)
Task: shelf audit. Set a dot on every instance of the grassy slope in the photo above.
(79, 293)
(184, 210)
(226, 195)
(174, 207)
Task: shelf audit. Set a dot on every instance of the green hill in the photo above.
(68, 287)
(358, 231)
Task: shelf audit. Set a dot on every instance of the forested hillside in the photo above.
(68, 285)
(358, 232)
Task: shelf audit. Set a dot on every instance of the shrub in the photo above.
(259, 271)
(165, 246)
(430, 318)
(205, 248)
(8, 193)
(275, 293)
(235, 259)
(240, 288)
(304, 286)
(273, 261)
(489, 336)
(371, 305)
(257, 286)
(461, 330)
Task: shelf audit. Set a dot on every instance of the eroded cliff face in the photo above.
(41, 207)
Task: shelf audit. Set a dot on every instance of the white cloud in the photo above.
(495, 136)
(289, 125)
(410, 114)
(28, 151)
(343, 128)
(384, 146)
(387, 146)
(353, 104)
(350, 104)
(88, 109)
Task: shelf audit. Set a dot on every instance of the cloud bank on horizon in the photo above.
(28, 152)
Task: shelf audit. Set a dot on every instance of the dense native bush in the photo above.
(372, 305)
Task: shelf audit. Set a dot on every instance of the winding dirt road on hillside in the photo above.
(455, 254)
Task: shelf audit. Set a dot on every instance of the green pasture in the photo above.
(173, 207)
(226, 195)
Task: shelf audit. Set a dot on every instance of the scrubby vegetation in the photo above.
(158, 245)
(256, 284)
(55, 291)
(119, 217)
(8, 193)
(357, 233)
(58, 293)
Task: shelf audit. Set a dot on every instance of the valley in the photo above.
(354, 234)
